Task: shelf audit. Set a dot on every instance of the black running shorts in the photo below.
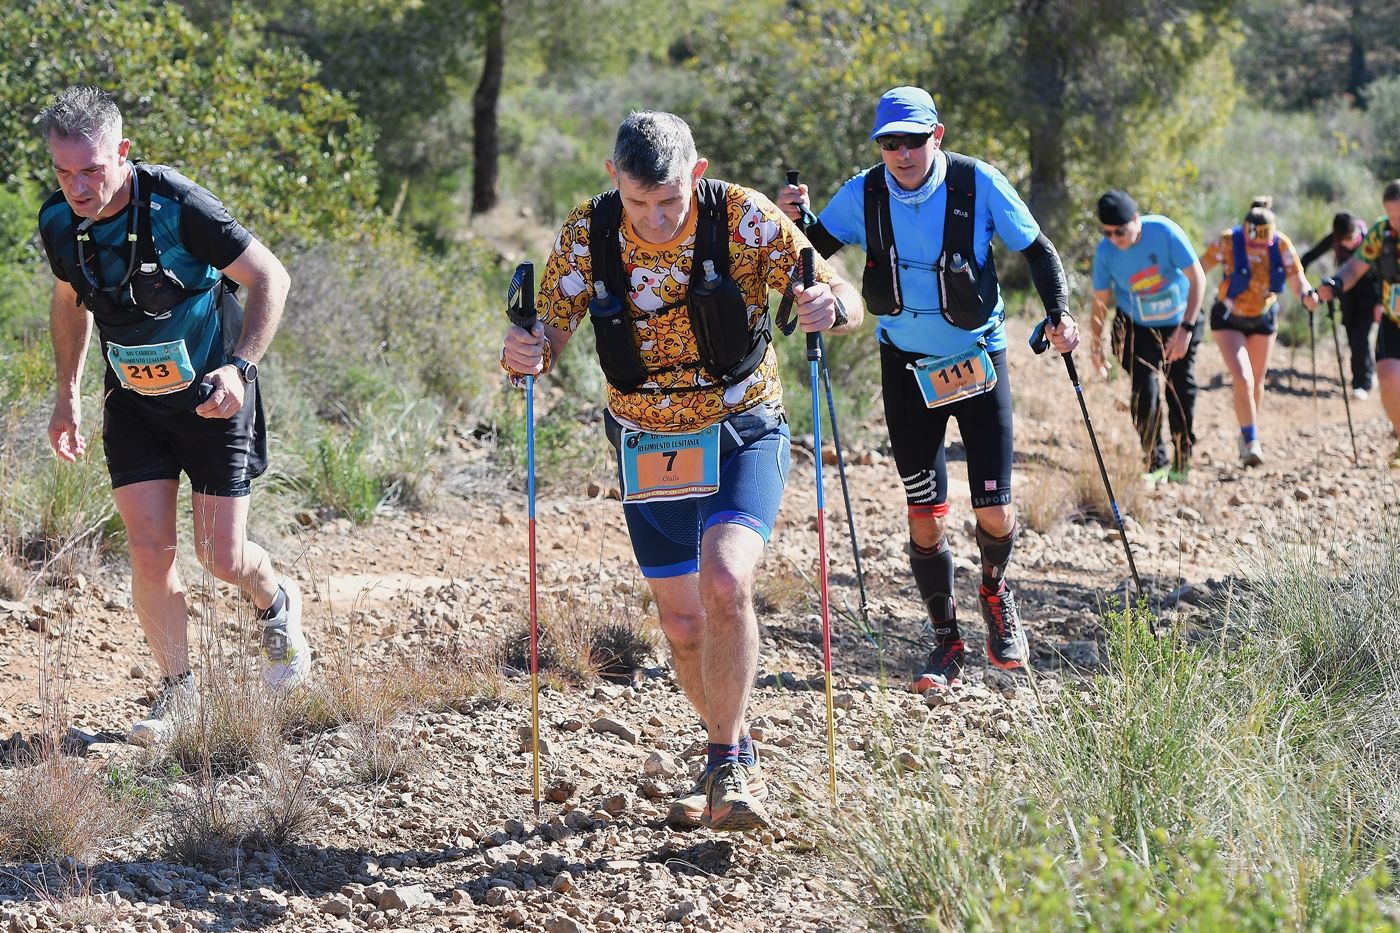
(1265, 324)
(917, 432)
(221, 456)
(1388, 339)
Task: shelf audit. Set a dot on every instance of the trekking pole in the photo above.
(520, 306)
(1312, 355)
(802, 224)
(814, 359)
(1040, 343)
(1342, 379)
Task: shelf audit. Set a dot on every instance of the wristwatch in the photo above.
(246, 369)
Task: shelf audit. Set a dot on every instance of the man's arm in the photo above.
(1318, 250)
(1345, 277)
(267, 284)
(1048, 276)
(1180, 340)
(70, 328)
(1196, 277)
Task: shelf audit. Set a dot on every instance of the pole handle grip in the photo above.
(520, 297)
(807, 268)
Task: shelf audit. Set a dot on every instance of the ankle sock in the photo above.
(1249, 433)
(719, 753)
(279, 602)
(747, 756)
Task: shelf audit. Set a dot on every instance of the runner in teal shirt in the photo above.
(143, 252)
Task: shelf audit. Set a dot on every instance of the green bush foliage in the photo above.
(1245, 782)
(242, 116)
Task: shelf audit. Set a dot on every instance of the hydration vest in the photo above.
(1239, 275)
(968, 293)
(730, 349)
(148, 289)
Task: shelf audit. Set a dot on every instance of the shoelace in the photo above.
(166, 698)
(732, 780)
(940, 658)
(275, 643)
(998, 603)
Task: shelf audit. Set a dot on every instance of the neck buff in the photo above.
(922, 193)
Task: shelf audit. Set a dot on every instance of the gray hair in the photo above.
(654, 148)
(82, 112)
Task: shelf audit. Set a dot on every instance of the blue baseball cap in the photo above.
(904, 110)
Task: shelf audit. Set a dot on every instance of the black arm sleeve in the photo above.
(1312, 255)
(821, 238)
(1048, 274)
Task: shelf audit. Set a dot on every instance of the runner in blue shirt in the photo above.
(943, 348)
(1147, 268)
(143, 252)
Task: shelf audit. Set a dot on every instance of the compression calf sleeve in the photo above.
(996, 554)
(933, 574)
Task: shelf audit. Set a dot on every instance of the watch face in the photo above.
(249, 371)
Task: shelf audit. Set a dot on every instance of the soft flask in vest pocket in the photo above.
(613, 339)
(969, 297)
(156, 290)
(719, 315)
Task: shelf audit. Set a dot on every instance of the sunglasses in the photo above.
(907, 140)
(1115, 232)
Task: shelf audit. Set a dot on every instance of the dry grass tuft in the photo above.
(445, 679)
(583, 639)
(783, 591)
(386, 750)
(1045, 500)
(1122, 457)
(237, 723)
(58, 807)
(215, 822)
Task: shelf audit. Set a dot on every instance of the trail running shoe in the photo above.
(1155, 477)
(688, 810)
(729, 805)
(286, 656)
(1006, 640)
(1251, 452)
(177, 698)
(943, 669)
(1360, 394)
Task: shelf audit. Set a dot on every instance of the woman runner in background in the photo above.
(1258, 260)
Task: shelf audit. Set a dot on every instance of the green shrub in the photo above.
(1244, 782)
(1383, 124)
(341, 480)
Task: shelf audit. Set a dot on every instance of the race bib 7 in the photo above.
(152, 369)
(946, 379)
(669, 466)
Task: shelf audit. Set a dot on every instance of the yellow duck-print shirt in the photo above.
(763, 258)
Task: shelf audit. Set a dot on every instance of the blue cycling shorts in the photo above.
(754, 461)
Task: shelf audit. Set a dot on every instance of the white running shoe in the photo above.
(177, 698)
(286, 656)
(1360, 394)
(1251, 452)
